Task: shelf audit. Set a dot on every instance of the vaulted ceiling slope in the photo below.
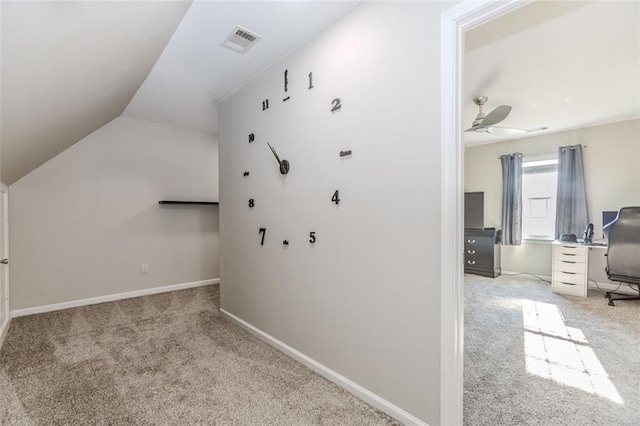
(564, 65)
(68, 68)
(194, 71)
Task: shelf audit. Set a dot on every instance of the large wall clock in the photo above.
(284, 167)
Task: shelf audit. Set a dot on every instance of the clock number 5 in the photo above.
(312, 237)
(336, 197)
(337, 105)
(262, 231)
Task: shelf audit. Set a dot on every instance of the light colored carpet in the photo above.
(533, 357)
(158, 360)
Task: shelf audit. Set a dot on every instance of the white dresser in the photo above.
(570, 268)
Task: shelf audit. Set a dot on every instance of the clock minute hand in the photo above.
(274, 153)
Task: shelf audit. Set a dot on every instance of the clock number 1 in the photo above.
(312, 237)
(262, 231)
(310, 80)
(336, 197)
(337, 105)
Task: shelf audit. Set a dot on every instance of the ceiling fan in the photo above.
(486, 123)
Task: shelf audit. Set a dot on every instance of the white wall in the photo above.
(612, 169)
(365, 299)
(82, 223)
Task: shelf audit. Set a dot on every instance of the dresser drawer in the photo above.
(571, 253)
(569, 288)
(474, 242)
(569, 277)
(570, 266)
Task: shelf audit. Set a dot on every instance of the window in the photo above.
(539, 189)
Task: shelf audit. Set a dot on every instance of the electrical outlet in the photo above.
(144, 268)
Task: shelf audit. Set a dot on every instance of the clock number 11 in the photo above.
(262, 231)
(336, 197)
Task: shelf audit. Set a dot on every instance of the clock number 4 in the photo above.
(336, 197)
(337, 105)
(312, 237)
(251, 202)
(262, 231)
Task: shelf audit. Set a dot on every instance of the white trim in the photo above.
(624, 288)
(354, 388)
(454, 23)
(4, 329)
(529, 274)
(111, 297)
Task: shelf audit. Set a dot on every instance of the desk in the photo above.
(570, 269)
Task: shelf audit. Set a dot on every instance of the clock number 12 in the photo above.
(336, 197)
(262, 231)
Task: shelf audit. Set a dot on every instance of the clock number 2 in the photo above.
(312, 237)
(336, 197)
(337, 105)
(251, 202)
(262, 231)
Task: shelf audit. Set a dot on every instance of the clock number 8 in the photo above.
(262, 231)
(251, 202)
(336, 197)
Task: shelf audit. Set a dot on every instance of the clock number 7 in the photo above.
(336, 197)
(262, 231)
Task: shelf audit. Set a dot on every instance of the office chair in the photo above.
(623, 252)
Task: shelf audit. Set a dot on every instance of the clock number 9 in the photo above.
(337, 105)
(336, 197)
(251, 202)
(262, 231)
(312, 237)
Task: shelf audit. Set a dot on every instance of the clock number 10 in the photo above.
(336, 197)
(262, 231)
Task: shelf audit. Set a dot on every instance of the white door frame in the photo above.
(454, 23)
(4, 326)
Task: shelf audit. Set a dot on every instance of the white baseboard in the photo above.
(526, 274)
(624, 288)
(110, 298)
(4, 328)
(354, 388)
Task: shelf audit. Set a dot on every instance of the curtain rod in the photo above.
(584, 146)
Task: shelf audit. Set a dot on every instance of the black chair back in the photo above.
(623, 253)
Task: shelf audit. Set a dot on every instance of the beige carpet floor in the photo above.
(166, 359)
(533, 357)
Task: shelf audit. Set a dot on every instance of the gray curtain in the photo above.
(571, 210)
(511, 199)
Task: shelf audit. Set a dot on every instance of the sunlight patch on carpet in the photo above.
(562, 354)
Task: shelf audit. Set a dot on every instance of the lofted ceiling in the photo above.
(563, 65)
(194, 71)
(68, 68)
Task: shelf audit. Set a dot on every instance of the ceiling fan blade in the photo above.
(496, 116)
(482, 129)
(505, 132)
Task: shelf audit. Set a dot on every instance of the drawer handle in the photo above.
(570, 247)
(567, 261)
(471, 241)
(567, 283)
(569, 254)
(471, 262)
(570, 273)
(471, 251)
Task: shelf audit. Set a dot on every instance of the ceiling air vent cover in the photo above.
(241, 40)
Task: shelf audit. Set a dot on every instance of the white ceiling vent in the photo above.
(240, 40)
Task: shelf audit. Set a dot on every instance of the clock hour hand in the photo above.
(274, 153)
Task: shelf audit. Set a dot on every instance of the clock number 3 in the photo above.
(312, 237)
(337, 105)
(336, 197)
(262, 231)
(251, 202)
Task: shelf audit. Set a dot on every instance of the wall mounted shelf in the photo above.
(212, 203)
